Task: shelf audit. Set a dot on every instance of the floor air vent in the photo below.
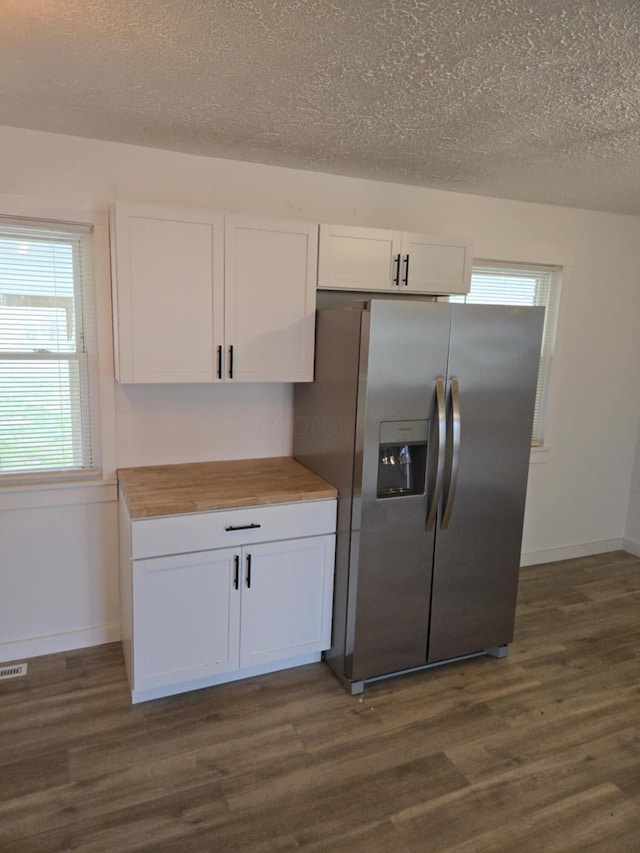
(13, 671)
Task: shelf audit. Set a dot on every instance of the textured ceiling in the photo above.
(528, 99)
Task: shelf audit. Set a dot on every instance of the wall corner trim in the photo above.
(632, 547)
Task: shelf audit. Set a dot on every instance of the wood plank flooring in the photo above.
(536, 752)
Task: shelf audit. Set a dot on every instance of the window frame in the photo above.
(84, 406)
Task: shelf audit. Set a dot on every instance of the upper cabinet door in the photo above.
(353, 258)
(431, 264)
(270, 300)
(168, 293)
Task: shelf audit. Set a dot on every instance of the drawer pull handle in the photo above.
(243, 527)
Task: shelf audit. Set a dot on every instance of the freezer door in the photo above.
(491, 385)
(391, 548)
(324, 440)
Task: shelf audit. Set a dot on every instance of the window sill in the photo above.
(539, 455)
(15, 495)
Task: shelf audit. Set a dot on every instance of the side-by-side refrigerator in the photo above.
(421, 415)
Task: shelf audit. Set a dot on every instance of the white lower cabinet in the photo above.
(286, 599)
(186, 617)
(196, 619)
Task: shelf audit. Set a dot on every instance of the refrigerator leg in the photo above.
(353, 688)
(497, 651)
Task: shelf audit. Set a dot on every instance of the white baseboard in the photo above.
(52, 643)
(632, 547)
(585, 549)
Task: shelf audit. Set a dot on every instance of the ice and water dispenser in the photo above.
(402, 458)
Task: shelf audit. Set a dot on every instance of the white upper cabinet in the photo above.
(354, 258)
(204, 297)
(435, 264)
(168, 268)
(270, 298)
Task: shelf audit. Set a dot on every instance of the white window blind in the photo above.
(48, 411)
(494, 283)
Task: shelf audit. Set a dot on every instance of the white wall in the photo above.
(579, 488)
(58, 574)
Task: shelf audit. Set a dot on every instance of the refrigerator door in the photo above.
(491, 386)
(406, 347)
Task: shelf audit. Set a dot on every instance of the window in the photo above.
(48, 394)
(517, 284)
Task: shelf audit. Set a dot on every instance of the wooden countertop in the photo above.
(203, 486)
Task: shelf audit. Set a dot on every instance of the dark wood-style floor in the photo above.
(536, 752)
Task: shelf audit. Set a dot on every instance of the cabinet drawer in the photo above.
(180, 534)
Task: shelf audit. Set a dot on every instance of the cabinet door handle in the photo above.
(248, 571)
(405, 280)
(231, 362)
(396, 278)
(236, 572)
(242, 527)
(219, 362)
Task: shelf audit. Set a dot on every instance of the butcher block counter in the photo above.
(204, 486)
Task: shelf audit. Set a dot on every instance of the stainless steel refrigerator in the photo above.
(421, 415)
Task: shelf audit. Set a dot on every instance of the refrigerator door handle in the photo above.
(452, 482)
(442, 440)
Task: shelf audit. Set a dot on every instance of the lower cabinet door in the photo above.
(286, 599)
(186, 617)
